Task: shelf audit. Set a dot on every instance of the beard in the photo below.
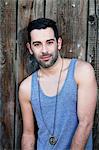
(48, 63)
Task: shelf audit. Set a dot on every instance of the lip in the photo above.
(45, 58)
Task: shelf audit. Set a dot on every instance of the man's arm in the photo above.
(87, 94)
(28, 137)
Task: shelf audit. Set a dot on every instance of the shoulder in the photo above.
(84, 72)
(25, 89)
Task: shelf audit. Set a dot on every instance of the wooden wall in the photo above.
(7, 77)
(78, 24)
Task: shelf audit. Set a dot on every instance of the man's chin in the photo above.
(46, 65)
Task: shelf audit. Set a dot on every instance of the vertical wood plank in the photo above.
(7, 81)
(51, 9)
(97, 46)
(92, 32)
(96, 66)
(71, 17)
(27, 11)
(93, 57)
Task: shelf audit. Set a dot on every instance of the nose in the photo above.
(44, 49)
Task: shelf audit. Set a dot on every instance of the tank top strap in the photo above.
(34, 86)
(71, 68)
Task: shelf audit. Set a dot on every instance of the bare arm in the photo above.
(28, 137)
(87, 93)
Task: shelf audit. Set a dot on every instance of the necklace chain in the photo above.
(55, 110)
(57, 98)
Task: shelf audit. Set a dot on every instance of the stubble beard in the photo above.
(49, 63)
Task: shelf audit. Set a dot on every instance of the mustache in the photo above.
(45, 54)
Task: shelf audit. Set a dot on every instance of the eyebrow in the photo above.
(36, 42)
(50, 40)
(41, 42)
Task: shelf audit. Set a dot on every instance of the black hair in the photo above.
(42, 23)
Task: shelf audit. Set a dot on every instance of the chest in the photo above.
(51, 85)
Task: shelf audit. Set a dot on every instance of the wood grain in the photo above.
(95, 63)
(71, 17)
(7, 78)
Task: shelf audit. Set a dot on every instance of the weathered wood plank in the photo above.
(97, 51)
(7, 81)
(92, 35)
(71, 17)
(96, 66)
(51, 9)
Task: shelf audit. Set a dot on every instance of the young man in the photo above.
(61, 95)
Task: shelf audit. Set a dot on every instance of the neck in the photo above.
(53, 69)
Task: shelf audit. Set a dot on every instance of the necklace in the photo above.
(53, 139)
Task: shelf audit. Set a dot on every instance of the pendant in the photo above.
(52, 140)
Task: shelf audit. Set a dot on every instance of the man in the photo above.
(61, 95)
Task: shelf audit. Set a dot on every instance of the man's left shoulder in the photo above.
(84, 71)
(84, 66)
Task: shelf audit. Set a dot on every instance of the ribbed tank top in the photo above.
(66, 115)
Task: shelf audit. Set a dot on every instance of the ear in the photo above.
(29, 48)
(59, 43)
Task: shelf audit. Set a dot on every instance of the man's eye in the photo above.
(50, 42)
(37, 44)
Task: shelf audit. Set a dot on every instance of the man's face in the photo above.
(44, 46)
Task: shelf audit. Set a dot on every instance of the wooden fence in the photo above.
(78, 24)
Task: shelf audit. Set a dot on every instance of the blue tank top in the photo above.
(66, 115)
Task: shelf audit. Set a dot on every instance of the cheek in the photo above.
(37, 54)
(54, 48)
(35, 51)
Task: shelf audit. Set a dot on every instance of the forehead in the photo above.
(42, 34)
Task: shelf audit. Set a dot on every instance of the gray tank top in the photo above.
(66, 115)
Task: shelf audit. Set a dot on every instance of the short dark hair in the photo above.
(42, 23)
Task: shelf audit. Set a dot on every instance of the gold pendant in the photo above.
(52, 140)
